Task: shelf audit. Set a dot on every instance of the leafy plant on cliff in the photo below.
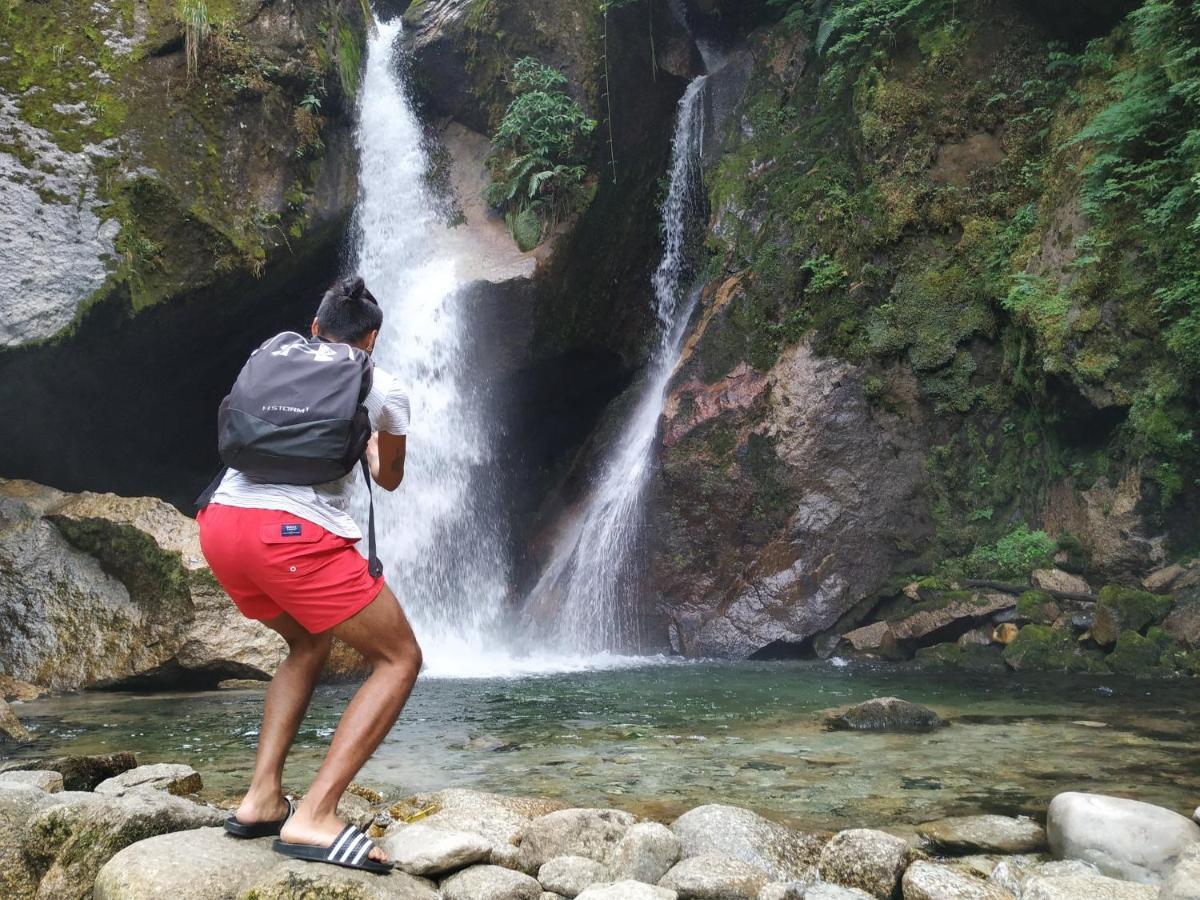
(194, 15)
(536, 167)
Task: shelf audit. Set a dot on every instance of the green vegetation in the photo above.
(1041, 648)
(194, 16)
(538, 176)
(1133, 609)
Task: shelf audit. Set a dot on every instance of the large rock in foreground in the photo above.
(984, 834)
(1125, 839)
(885, 714)
(871, 861)
(730, 831)
(101, 589)
(928, 881)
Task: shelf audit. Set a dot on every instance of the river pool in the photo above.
(662, 737)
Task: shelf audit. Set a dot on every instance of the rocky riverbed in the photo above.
(106, 828)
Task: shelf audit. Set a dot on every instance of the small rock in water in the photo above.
(871, 861)
(170, 777)
(927, 881)
(627, 890)
(1084, 723)
(51, 782)
(11, 728)
(885, 714)
(1125, 839)
(490, 883)
(984, 834)
(570, 875)
(715, 876)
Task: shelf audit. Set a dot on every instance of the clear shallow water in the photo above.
(660, 738)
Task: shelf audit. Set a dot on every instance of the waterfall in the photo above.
(439, 534)
(593, 567)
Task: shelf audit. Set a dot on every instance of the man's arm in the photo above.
(385, 456)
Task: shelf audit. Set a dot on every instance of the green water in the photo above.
(663, 738)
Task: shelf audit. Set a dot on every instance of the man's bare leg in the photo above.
(381, 633)
(286, 702)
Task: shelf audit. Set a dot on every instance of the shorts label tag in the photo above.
(290, 530)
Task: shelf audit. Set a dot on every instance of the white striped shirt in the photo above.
(325, 504)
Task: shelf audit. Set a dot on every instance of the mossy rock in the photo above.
(973, 658)
(1045, 649)
(1122, 609)
(1137, 656)
(1038, 607)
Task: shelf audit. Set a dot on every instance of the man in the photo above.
(286, 555)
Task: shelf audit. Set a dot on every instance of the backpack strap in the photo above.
(374, 566)
(206, 496)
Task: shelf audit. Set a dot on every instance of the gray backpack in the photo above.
(296, 416)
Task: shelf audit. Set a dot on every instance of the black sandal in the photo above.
(349, 849)
(259, 829)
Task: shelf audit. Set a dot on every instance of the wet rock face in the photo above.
(885, 714)
(98, 589)
(783, 500)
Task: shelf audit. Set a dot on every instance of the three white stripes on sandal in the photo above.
(357, 848)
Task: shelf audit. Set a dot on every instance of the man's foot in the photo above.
(302, 829)
(256, 809)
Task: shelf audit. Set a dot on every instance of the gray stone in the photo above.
(1125, 839)
(298, 880)
(51, 782)
(984, 834)
(173, 778)
(19, 875)
(80, 773)
(1013, 873)
(712, 877)
(11, 728)
(186, 865)
(1085, 887)
(645, 853)
(783, 853)
(1184, 881)
(871, 861)
(490, 883)
(784, 890)
(1058, 580)
(570, 875)
(824, 891)
(885, 714)
(72, 840)
(627, 890)
(550, 895)
(593, 833)
(103, 588)
(356, 810)
(928, 881)
(499, 819)
(421, 849)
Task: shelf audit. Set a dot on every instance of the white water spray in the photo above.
(594, 566)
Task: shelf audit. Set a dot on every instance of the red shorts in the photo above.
(273, 562)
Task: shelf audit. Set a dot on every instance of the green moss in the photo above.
(1045, 649)
(1133, 609)
(972, 658)
(1038, 607)
(1136, 656)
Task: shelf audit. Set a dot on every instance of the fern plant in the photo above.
(536, 167)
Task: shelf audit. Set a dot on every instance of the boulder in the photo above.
(1040, 648)
(929, 881)
(186, 865)
(1058, 580)
(627, 890)
(713, 877)
(72, 840)
(51, 782)
(1161, 579)
(786, 890)
(421, 849)
(298, 880)
(569, 875)
(19, 875)
(105, 589)
(1184, 881)
(876, 636)
(593, 833)
(783, 853)
(490, 883)
(1125, 609)
(646, 853)
(1014, 873)
(1123, 838)
(11, 689)
(79, 773)
(498, 819)
(871, 861)
(356, 810)
(173, 778)
(824, 891)
(885, 714)
(1183, 623)
(955, 606)
(1085, 887)
(984, 834)
(11, 728)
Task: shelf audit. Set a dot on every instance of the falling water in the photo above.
(593, 567)
(438, 534)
